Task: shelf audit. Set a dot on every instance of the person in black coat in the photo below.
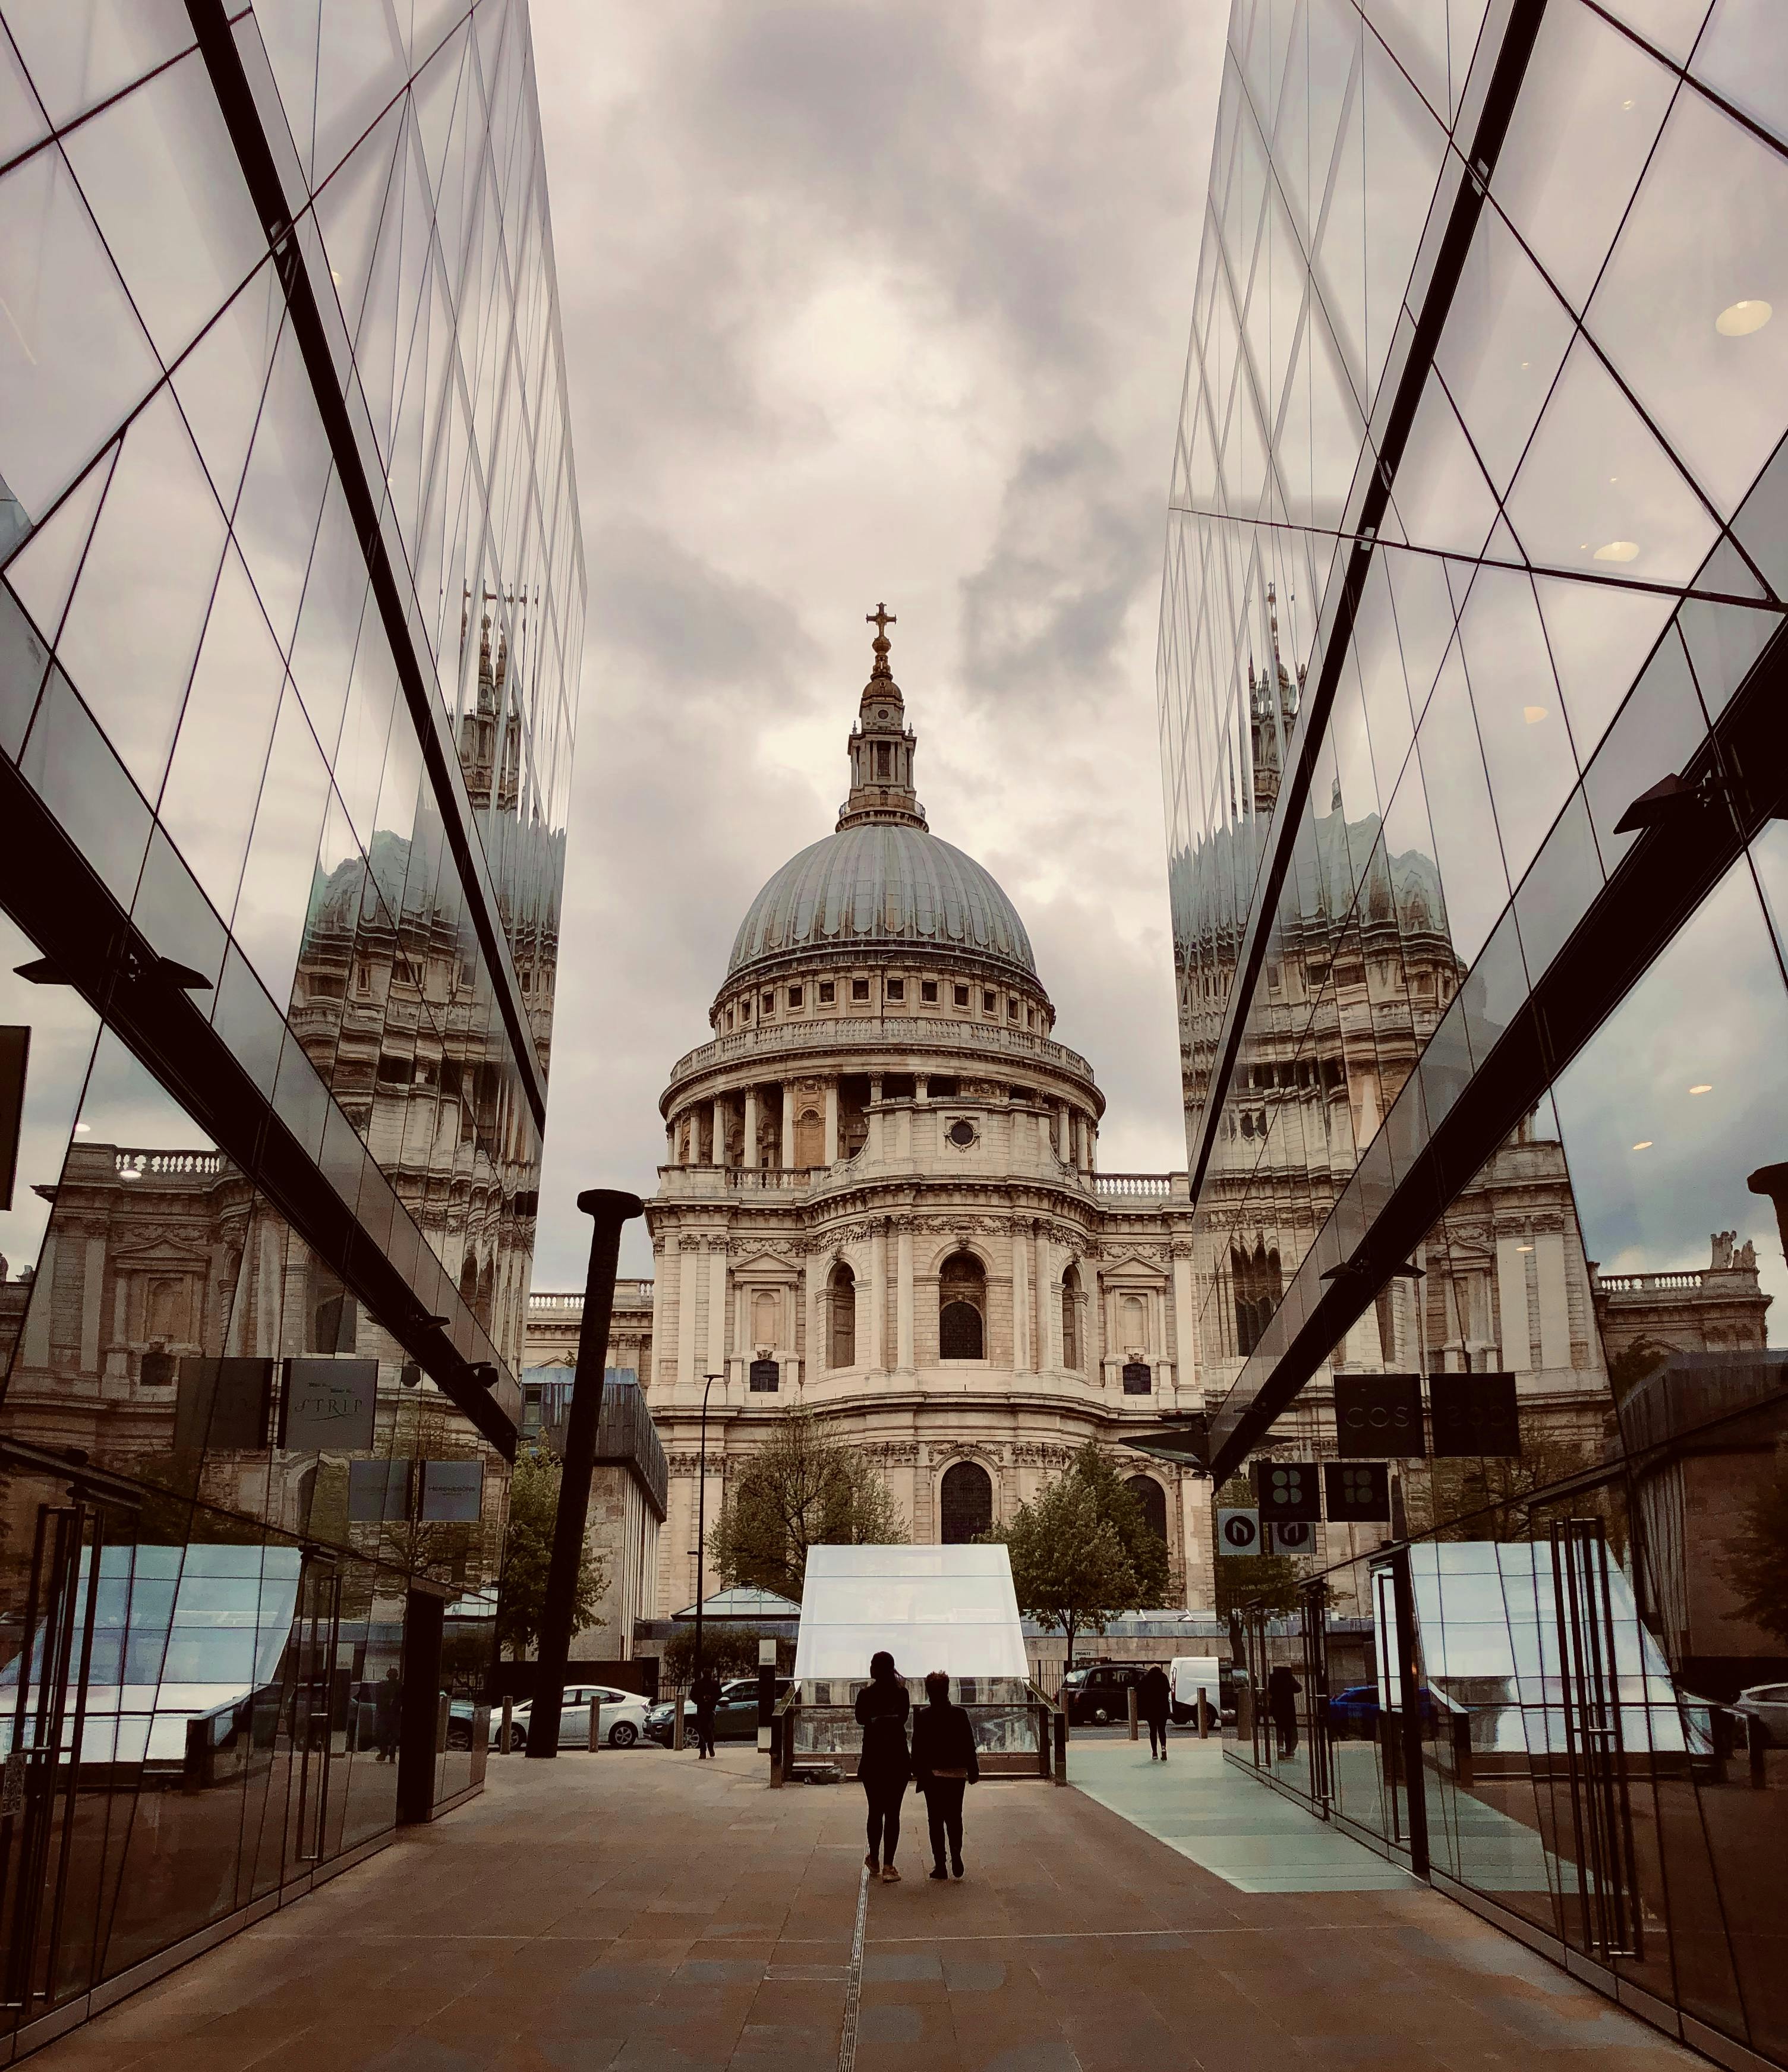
(884, 1766)
(1154, 1701)
(706, 1695)
(945, 1763)
(1282, 1690)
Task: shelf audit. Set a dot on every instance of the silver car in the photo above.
(620, 1723)
(1765, 1708)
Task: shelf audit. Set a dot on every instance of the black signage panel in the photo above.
(222, 1405)
(765, 1376)
(1291, 1539)
(1288, 1492)
(1378, 1417)
(1356, 1492)
(1474, 1414)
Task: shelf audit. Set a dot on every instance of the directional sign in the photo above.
(1356, 1492)
(1238, 1532)
(1294, 1538)
(1474, 1414)
(1378, 1415)
(1288, 1492)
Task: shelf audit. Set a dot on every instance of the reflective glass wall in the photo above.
(1471, 664)
(291, 603)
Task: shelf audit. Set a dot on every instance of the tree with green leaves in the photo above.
(729, 1651)
(803, 1489)
(528, 1556)
(1081, 1552)
(1755, 1565)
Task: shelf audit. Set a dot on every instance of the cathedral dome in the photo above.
(887, 884)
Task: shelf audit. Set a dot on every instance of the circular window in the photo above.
(881, 715)
(961, 1134)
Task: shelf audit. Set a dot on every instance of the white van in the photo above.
(1187, 1676)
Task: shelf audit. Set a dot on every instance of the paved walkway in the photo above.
(637, 1910)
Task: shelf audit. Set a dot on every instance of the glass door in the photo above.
(310, 1687)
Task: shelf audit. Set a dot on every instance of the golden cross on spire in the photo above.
(881, 618)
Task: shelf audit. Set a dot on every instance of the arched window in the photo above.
(765, 1322)
(967, 1503)
(810, 1138)
(1257, 1289)
(1153, 1498)
(962, 1311)
(1133, 1314)
(1070, 1319)
(841, 1321)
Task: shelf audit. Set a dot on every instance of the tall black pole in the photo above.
(702, 1525)
(609, 1209)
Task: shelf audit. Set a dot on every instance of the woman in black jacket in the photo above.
(884, 1765)
(945, 1763)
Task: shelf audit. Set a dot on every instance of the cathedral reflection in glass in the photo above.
(1471, 671)
(291, 605)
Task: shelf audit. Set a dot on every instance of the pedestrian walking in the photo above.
(1154, 1701)
(944, 1764)
(1282, 1690)
(388, 1712)
(706, 1695)
(884, 1765)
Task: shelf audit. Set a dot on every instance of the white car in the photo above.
(620, 1722)
(1766, 1705)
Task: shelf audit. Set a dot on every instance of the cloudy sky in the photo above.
(866, 301)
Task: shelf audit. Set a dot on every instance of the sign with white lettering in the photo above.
(1474, 1415)
(1378, 1417)
(378, 1492)
(327, 1406)
(453, 1491)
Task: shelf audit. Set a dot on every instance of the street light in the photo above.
(702, 1525)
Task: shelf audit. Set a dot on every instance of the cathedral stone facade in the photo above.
(881, 1199)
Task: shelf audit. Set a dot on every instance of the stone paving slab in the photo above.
(641, 1913)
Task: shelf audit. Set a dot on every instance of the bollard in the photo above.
(595, 1740)
(1061, 1722)
(505, 1729)
(677, 1719)
(1204, 1717)
(1131, 1694)
(1757, 1742)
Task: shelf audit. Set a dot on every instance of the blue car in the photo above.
(1354, 1713)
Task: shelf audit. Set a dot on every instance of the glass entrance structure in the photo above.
(291, 600)
(1471, 668)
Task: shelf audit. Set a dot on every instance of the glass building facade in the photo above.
(1471, 676)
(291, 605)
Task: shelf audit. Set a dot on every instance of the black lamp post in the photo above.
(609, 1209)
(702, 1525)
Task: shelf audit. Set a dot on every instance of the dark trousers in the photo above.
(884, 1824)
(704, 1730)
(943, 1815)
(1157, 1737)
(1286, 1722)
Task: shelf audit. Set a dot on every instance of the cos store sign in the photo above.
(1378, 1417)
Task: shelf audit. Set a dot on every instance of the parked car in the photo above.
(735, 1716)
(1354, 1713)
(1765, 1707)
(621, 1719)
(1099, 1693)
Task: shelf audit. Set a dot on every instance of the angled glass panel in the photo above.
(1527, 743)
(1743, 55)
(73, 356)
(1687, 309)
(1405, 141)
(361, 64)
(1596, 489)
(42, 573)
(278, 877)
(1591, 104)
(282, 492)
(163, 181)
(1658, 730)
(1440, 494)
(80, 52)
(139, 612)
(71, 766)
(1599, 636)
(221, 381)
(21, 122)
(208, 802)
(1470, 855)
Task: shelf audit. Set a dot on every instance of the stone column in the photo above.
(814, 1350)
(831, 1122)
(878, 1296)
(788, 1124)
(1555, 1301)
(922, 1086)
(1023, 1358)
(1064, 1132)
(903, 1296)
(1185, 1318)
(719, 1157)
(715, 1362)
(874, 1145)
(749, 1157)
(1049, 1315)
(685, 1255)
(670, 1144)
